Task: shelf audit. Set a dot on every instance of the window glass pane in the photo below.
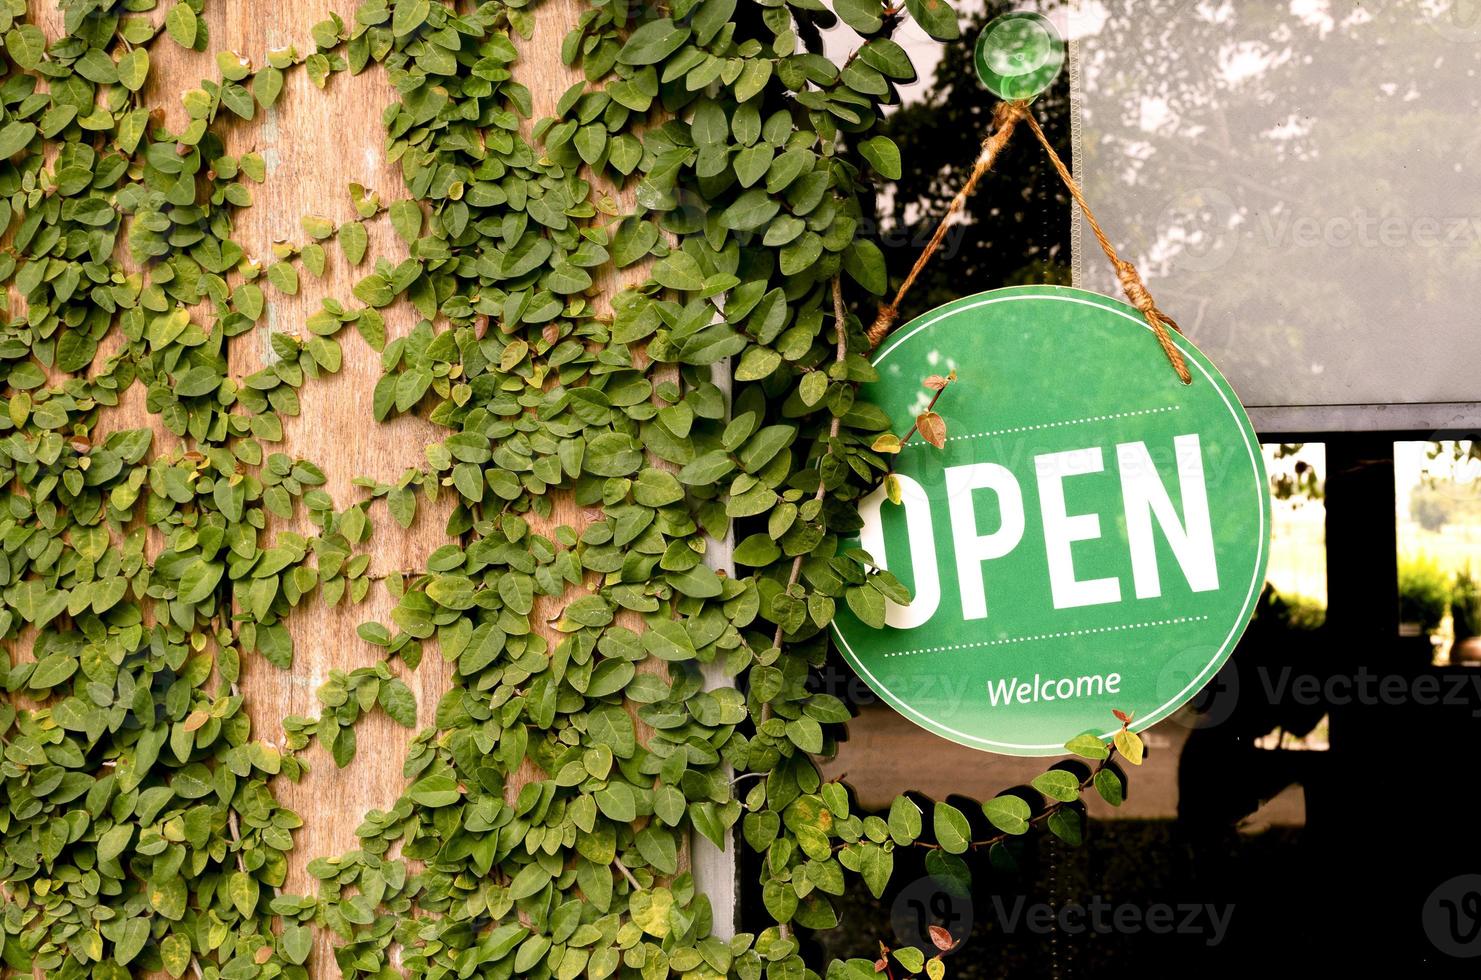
(1297, 181)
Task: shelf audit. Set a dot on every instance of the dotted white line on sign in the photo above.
(1054, 425)
(1050, 636)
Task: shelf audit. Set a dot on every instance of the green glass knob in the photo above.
(1018, 55)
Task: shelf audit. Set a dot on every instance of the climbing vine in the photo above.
(715, 399)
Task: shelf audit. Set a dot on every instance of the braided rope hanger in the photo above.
(1006, 117)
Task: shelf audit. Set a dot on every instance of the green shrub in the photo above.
(1465, 605)
(1424, 592)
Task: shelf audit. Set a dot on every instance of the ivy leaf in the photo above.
(529, 881)
(434, 791)
(1129, 744)
(876, 865)
(1057, 784)
(750, 211)
(936, 18)
(133, 69)
(932, 428)
(757, 551)
(168, 897)
(199, 581)
(867, 604)
(298, 942)
(861, 15)
(25, 44)
(406, 216)
(1110, 787)
(865, 264)
(1068, 824)
(353, 241)
(410, 14)
(243, 890)
(1008, 813)
(182, 24)
(14, 137)
(634, 239)
(904, 821)
(1087, 746)
(653, 42)
(883, 155)
(175, 951)
(131, 938)
(398, 701)
(953, 832)
(617, 803)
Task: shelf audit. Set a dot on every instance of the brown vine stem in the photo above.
(915, 426)
(1035, 821)
(840, 354)
(627, 874)
(840, 317)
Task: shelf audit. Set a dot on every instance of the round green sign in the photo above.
(1092, 536)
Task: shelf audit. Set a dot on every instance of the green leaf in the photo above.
(352, 241)
(904, 821)
(199, 581)
(131, 938)
(757, 550)
(806, 734)
(168, 897)
(406, 217)
(862, 15)
(679, 270)
(1008, 813)
(434, 791)
(529, 881)
(883, 155)
(1110, 787)
(298, 942)
(182, 24)
(910, 957)
(15, 137)
(1087, 746)
(1068, 824)
(750, 211)
(398, 701)
(611, 726)
(175, 951)
(953, 832)
(25, 44)
(1057, 784)
(410, 14)
(865, 264)
(634, 239)
(653, 42)
(616, 801)
(867, 604)
(133, 69)
(243, 890)
(936, 17)
(876, 865)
